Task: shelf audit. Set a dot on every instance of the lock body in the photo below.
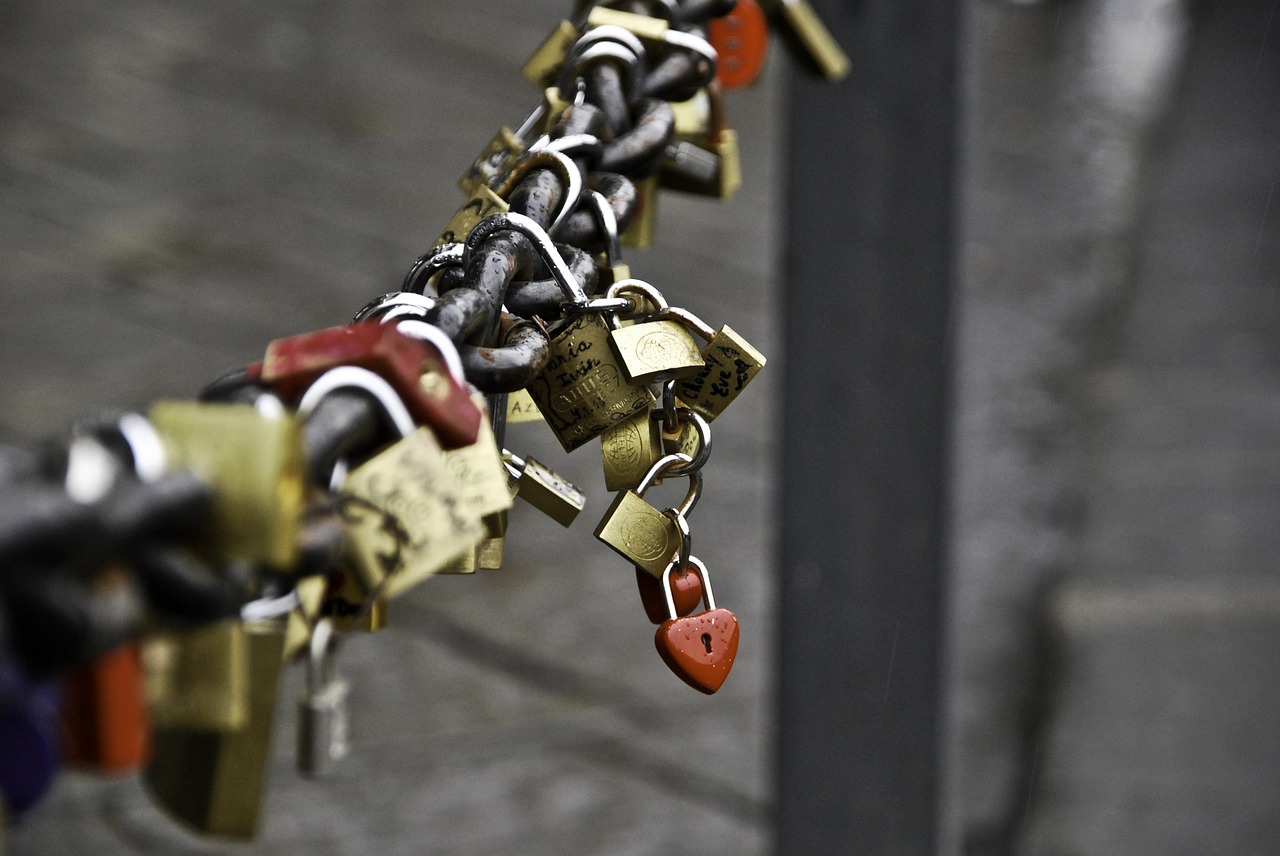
(639, 532)
(628, 450)
(699, 648)
(211, 780)
(582, 391)
(198, 679)
(254, 465)
(655, 351)
(729, 364)
(549, 492)
(405, 515)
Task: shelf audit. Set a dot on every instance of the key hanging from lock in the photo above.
(545, 489)
(403, 506)
(653, 348)
(641, 533)
(699, 648)
(730, 362)
(323, 722)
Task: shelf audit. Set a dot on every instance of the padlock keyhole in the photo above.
(706, 640)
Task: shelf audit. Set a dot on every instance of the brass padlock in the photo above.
(477, 470)
(520, 408)
(251, 456)
(581, 390)
(214, 780)
(644, 223)
(729, 364)
(542, 69)
(198, 679)
(491, 551)
(816, 41)
(350, 605)
(653, 349)
(628, 451)
(406, 516)
(482, 203)
(642, 534)
(546, 490)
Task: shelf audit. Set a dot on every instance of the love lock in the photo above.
(700, 648)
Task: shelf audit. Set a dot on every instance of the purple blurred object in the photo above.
(28, 737)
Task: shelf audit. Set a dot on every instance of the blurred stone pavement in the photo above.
(181, 183)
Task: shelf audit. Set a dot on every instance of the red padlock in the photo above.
(686, 592)
(741, 39)
(699, 648)
(415, 369)
(105, 727)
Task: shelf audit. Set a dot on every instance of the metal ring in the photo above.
(354, 377)
(428, 264)
(528, 227)
(639, 286)
(545, 159)
(91, 470)
(608, 221)
(380, 306)
(433, 335)
(703, 428)
(145, 444)
(267, 608)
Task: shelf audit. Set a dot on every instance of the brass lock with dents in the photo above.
(642, 534)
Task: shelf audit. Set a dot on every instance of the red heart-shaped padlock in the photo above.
(686, 590)
(700, 648)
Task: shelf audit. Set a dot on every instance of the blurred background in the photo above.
(1053, 416)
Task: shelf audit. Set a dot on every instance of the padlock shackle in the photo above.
(145, 445)
(707, 597)
(544, 159)
(354, 377)
(603, 212)
(686, 415)
(668, 463)
(434, 336)
(527, 226)
(429, 264)
(395, 302)
(688, 319)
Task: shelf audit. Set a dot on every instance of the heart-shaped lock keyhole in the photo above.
(700, 648)
(686, 591)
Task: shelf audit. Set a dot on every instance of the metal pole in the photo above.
(870, 166)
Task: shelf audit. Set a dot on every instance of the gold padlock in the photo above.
(653, 349)
(350, 605)
(546, 490)
(214, 781)
(405, 515)
(491, 551)
(628, 451)
(729, 364)
(482, 203)
(251, 457)
(641, 533)
(542, 69)
(582, 390)
(520, 408)
(478, 472)
(198, 679)
(815, 39)
(644, 223)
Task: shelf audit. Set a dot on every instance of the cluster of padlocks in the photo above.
(162, 568)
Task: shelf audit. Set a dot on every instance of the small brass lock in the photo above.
(653, 349)
(642, 534)
(729, 364)
(628, 450)
(545, 489)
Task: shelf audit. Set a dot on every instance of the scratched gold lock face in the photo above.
(582, 391)
(628, 450)
(639, 532)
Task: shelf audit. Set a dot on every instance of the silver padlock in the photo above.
(322, 708)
